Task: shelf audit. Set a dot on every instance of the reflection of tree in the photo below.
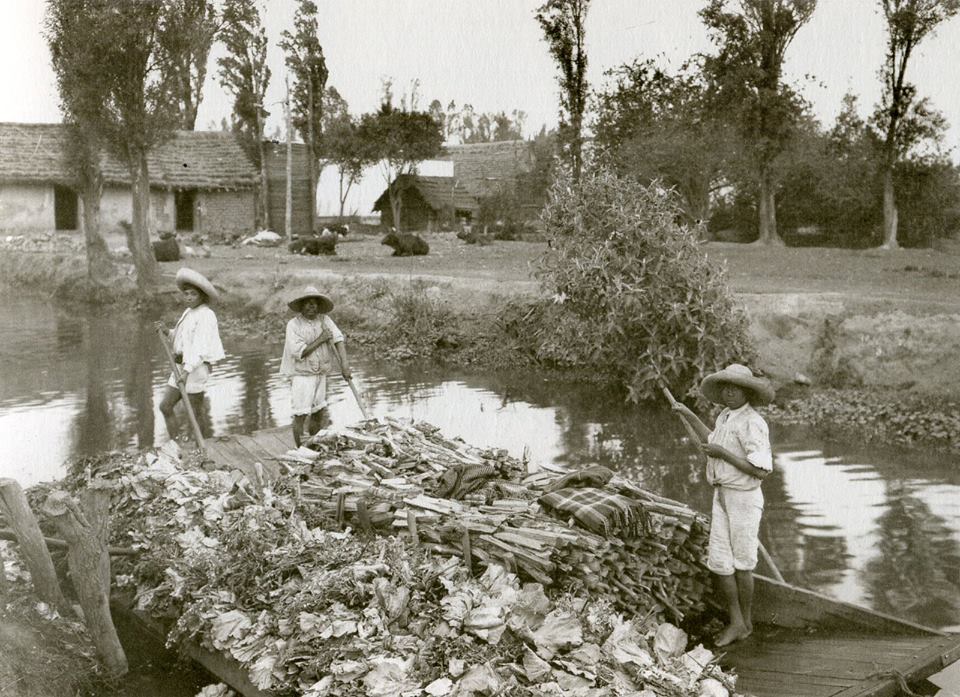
(908, 577)
(255, 410)
(94, 422)
(138, 387)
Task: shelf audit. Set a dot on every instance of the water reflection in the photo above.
(875, 527)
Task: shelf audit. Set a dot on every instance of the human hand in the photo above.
(714, 450)
(346, 373)
(159, 326)
(681, 409)
(182, 378)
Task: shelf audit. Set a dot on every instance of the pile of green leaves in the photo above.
(631, 291)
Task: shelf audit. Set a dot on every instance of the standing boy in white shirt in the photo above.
(738, 459)
(196, 346)
(313, 345)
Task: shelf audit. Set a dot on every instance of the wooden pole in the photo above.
(695, 437)
(198, 436)
(57, 543)
(353, 388)
(33, 548)
(85, 530)
(288, 202)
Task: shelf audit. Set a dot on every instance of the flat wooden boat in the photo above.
(805, 644)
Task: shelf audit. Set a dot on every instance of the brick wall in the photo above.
(226, 211)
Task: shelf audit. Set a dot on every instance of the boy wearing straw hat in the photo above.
(196, 345)
(313, 345)
(738, 458)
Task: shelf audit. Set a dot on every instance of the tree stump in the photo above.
(85, 530)
(33, 548)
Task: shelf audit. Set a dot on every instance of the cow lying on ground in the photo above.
(166, 249)
(324, 243)
(406, 245)
(471, 237)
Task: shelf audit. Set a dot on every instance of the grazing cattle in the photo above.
(406, 245)
(470, 237)
(166, 249)
(324, 243)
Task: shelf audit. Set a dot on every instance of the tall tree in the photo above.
(342, 145)
(245, 74)
(120, 77)
(752, 40)
(81, 103)
(304, 58)
(399, 138)
(655, 125)
(563, 24)
(196, 23)
(901, 118)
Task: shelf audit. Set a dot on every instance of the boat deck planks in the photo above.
(241, 451)
(786, 663)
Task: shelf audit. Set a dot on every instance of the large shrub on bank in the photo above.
(632, 292)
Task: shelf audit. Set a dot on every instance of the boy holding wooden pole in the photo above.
(313, 343)
(738, 459)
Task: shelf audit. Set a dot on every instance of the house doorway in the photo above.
(184, 206)
(64, 208)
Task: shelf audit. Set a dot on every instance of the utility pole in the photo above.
(288, 212)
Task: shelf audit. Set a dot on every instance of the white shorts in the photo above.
(734, 530)
(308, 394)
(196, 379)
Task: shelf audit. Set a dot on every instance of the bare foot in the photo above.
(732, 633)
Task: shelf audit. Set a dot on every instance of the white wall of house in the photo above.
(116, 206)
(26, 208)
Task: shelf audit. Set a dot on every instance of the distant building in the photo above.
(476, 170)
(277, 187)
(200, 181)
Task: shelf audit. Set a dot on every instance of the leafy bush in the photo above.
(420, 322)
(632, 292)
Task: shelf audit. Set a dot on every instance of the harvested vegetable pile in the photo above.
(266, 575)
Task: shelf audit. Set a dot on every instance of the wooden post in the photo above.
(467, 550)
(412, 527)
(364, 516)
(85, 530)
(288, 198)
(33, 547)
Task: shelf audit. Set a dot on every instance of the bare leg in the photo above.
(171, 396)
(737, 629)
(298, 420)
(319, 420)
(745, 593)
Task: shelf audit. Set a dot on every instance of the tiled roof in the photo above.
(438, 192)
(485, 167)
(34, 152)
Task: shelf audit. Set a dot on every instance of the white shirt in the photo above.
(744, 433)
(301, 332)
(197, 337)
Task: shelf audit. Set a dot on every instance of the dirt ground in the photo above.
(894, 316)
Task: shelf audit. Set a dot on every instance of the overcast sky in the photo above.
(489, 53)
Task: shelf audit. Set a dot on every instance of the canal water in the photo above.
(873, 526)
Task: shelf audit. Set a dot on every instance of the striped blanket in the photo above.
(603, 512)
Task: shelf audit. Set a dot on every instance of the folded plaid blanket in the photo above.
(460, 480)
(603, 512)
(597, 476)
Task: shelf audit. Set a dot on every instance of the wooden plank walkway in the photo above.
(240, 452)
(778, 662)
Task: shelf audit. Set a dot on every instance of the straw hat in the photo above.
(326, 304)
(189, 277)
(741, 376)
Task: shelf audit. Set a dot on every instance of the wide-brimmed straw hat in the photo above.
(741, 376)
(326, 304)
(189, 277)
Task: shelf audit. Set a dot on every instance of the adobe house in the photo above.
(427, 202)
(201, 181)
(476, 170)
(276, 153)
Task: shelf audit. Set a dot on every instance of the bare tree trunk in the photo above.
(288, 202)
(343, 196)
(311, 154)
(85, 530)
(148, 273)
(395, 204)
(264, 186)
(33, 548)
(100, 266)
(890, 213)
(768, 209)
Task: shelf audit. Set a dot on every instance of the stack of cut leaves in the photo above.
(266, 577)
(455, 498)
